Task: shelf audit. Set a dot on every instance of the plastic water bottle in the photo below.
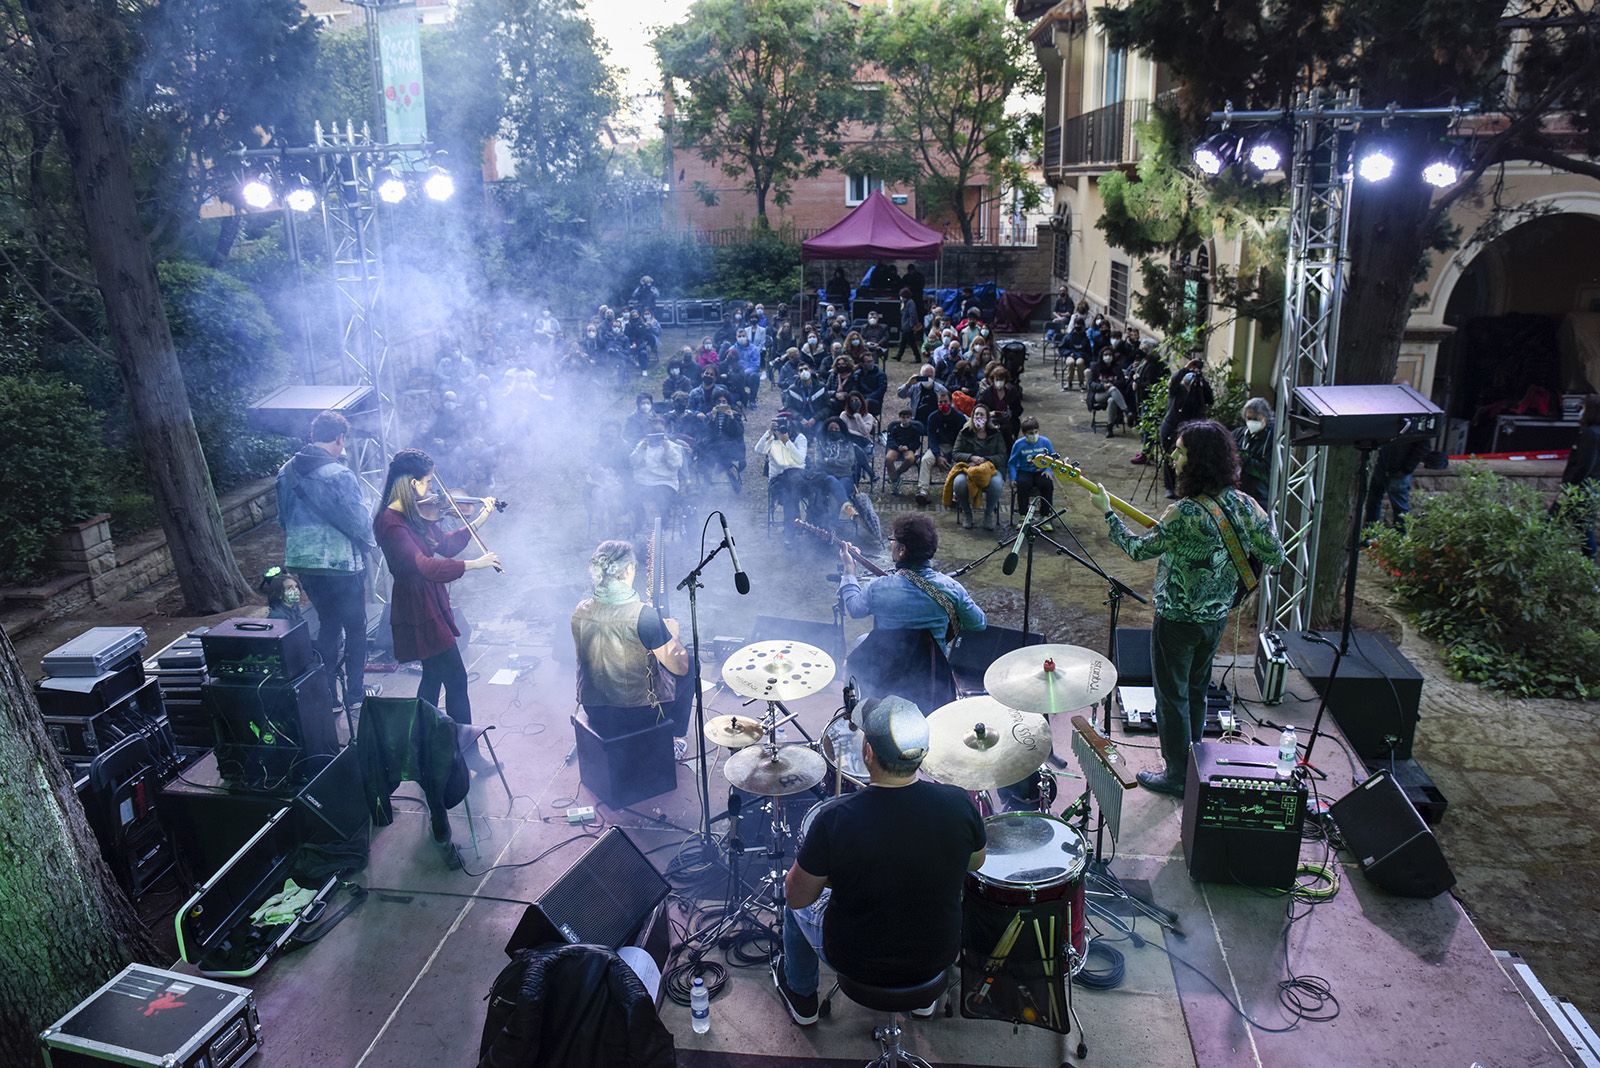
(700, 1006)
(1286, 752)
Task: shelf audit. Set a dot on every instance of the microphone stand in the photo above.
(691, 583)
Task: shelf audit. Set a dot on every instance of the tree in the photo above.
(82, 53)
(1426, 53)
(762, 87)
(952, 66)
(65, 925)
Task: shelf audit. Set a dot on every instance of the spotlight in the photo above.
(1269, 149)
(1374, 164)
(1443, 169)
(301, 199)
(391, 190)
(439, 185)
(1216, 153)
(257, 193)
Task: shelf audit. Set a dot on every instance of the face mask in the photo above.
(1255, 426)
(984, 332)
(646, 408)
(873, 321)
(1105, 360)
(291, 598)
(811, 341)
(980, 422)
(805, 376)
(944, 407)
(1032, 436)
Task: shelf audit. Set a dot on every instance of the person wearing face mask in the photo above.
(749, 357)
(832, 463)
(813, 349)
(1030, 481)
(857, 419)
(1196, 579)
(707, 356)
(1254, 441)
(983, 449)
(723, 449)
(1189, 397)
(637, 425)
(286, 600)
(676, 381)
(659, 464)
(804, 394)
(875, 332)
(708, 394)
(922, 391)
(963, 378)
(910, 325)
(1003, 398)
(944, 425)
(905, 441)
(871, 381)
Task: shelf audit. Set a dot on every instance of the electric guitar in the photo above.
(1072, 473)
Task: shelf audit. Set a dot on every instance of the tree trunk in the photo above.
(762, 222)
(78, 47)
(958, 204)
(1386, 247)
(65, 925)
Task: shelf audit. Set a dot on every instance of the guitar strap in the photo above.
(942, 599)
(1230, 540)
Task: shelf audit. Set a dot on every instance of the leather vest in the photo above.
(613, 664)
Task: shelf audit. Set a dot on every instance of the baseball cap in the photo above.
(895, 728)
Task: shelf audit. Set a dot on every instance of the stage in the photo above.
(401, 981)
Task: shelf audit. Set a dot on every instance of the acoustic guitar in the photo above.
(1072, 474)
(834, 539)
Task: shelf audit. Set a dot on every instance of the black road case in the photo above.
(151, 1016)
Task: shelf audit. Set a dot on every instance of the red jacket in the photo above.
(419, 610)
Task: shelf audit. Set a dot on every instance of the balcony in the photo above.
(1097, 139)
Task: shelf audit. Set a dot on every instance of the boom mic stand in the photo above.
(691, 583)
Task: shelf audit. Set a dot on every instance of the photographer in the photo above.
(722, 451)
(1189, 398)
(784, 450)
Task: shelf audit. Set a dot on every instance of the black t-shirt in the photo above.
(907, 435)
(895, 858)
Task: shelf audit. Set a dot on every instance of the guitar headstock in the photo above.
(1058, 464)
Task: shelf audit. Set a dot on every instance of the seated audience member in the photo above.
(677, 381)
(723, 449)
(875, 332)
(841, 383)
(1003, 398)
(658, 465)
(805, 396)
(684, 425)
(708, 393)
(979, 444)
(834, 459)
(683, 361)
(964, 379)
(921, 391)
(906, 440)
(871, 382)
(858, 420)
(707, 356)
(639, 422)
(944, 426)
(784, 450)
(1031, 481)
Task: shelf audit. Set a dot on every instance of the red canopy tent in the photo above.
(875, 230)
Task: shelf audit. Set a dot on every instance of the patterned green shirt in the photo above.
(1196, 579)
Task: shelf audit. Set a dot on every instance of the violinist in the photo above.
(419, 556)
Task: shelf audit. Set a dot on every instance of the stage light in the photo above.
(1443, 169)
(1374, 164)
(1216, 153)
(301, 199)
(391, 189)
(256, 193)
(439, 185)
(1269, 149)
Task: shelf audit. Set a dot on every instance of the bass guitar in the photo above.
(1071, 473)
(834, 539)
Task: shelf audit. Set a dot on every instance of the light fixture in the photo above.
(1217, 152)
(1269, 149)
(391, 189)
(256, 193)
(439, 185)
(301, 198)
(1443, 169)
(1374, 164)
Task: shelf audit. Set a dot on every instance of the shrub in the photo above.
(53, 460)
(765, 267)
(1501, 581)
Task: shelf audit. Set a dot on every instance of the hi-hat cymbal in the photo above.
(787, 770)
(1050, 678)
(977, 743)
(777, 670)
(733, 732)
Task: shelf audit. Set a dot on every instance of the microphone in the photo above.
(741, 581)
(1016, 547)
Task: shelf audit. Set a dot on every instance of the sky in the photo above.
(625, 28)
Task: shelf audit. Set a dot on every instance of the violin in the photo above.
(436, 507)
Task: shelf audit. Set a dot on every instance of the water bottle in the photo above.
(700, 1006)
(1286, 752)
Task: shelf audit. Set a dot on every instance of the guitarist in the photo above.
(916, 611)
(1207, 544)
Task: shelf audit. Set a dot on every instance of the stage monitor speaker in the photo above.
(1362, 415)
(1376, 696)
(1133, 657)
(1241, 822)
(975, 650)
(603, 899)
(289, 410)
(1390, 841)
(267, 729)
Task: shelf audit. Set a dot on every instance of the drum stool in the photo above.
(894, 1000)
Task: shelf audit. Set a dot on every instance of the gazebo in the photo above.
(876, 230)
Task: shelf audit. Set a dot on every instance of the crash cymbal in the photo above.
(1050, 678)
(977, 743)
(777, 670)
(787, 770)
(733, 732)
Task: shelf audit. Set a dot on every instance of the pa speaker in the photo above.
(604, 899)
(1387, 836)
(1133, 657)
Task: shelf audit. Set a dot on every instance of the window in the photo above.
(1118, 296)
(859, 187)
(1114, 74)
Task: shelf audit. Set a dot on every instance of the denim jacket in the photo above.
(323, 513)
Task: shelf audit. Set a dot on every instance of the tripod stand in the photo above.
(707, 850)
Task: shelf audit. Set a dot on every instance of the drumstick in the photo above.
(997, 957)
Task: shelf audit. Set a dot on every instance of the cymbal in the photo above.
(977, 743)
(1050, 678)
(788, 770)
(777, 670)
(733, 732)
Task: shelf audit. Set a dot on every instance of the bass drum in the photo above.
(1034, 857)
(841, 748)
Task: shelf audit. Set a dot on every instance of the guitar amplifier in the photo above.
(1241, 822)
(156, 1017)
(258, 648)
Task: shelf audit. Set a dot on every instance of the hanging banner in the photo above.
(400, 47)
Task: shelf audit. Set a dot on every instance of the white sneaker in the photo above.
(925, 1013)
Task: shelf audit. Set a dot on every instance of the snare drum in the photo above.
(810, 817)
(1034, 857)
(841, 748)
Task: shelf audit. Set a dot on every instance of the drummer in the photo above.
(876, 889)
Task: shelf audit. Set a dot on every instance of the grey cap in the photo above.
(895, 728)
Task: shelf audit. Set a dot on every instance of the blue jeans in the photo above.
(991, 496)
(1398, 492)
(1181, 655)
(802, 945)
